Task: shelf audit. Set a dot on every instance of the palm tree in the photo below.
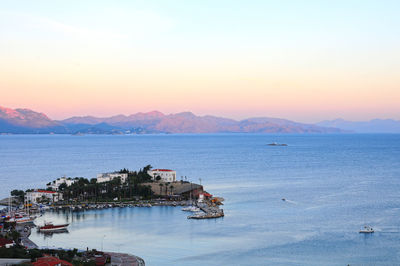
(166, 188)
(147, 168)
(171, 187)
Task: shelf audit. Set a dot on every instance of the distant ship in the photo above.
(49, 227)
(367, 230)
(276, 144)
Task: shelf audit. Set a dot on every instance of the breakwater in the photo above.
(209, 211)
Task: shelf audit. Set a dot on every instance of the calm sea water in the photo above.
(333, 184)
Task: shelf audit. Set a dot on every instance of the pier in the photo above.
(123, 259)
(25, 232)
(209, 211)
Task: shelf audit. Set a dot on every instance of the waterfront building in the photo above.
(62, 180)
(106, 177)
(203, 196)
(165, 174)
(39, 195)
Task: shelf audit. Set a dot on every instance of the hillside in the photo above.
(25, 121)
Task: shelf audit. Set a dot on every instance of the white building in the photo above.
(165, 174)
(106, 177)
(40, 195)
(63, 180)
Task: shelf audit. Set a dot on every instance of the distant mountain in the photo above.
(27, 121)
(277, 125)
(187, 122)
(372, 126)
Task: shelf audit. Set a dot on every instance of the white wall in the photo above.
(166, 176)
(106, 177)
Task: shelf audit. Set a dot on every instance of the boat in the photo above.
(366, 230)
(50, 227)
(276, 144)
(191, 209)
(23, 220)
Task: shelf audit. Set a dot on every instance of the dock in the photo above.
(209, 211)
(25, 241)
(123, 259)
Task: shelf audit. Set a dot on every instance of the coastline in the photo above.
(123, 259)
(120, 259)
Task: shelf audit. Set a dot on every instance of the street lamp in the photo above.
(102, 242)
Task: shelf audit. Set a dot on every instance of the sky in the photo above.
(302, 60)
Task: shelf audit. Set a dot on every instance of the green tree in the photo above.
(18, 193)
(62, 186)
(15, 236)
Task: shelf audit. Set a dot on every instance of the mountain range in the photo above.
(25, 121)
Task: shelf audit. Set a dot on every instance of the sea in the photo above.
(333, 185)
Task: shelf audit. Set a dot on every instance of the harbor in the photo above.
(122, 190)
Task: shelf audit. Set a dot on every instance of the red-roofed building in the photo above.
(4, 242)
(204, 195)
(40, 195)
(50, 261)
(165, 174)
(45, 191)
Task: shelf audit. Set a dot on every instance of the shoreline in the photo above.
(116, 257)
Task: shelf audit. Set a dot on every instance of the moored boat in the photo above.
(22, 220)
(49, 227)
(191, 209)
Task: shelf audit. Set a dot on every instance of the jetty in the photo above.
(209, 211)
(122, 259)
(25, 232)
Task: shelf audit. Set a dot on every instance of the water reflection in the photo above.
(50, 234)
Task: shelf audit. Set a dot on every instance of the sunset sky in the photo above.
(302, 60)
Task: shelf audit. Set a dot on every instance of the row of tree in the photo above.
(84, 189)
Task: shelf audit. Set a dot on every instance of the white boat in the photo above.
(22, 220)
(191, 209)
(366, 230)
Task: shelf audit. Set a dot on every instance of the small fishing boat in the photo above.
(50, 227)
(366, 230)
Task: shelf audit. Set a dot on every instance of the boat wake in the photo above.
(290, 201)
